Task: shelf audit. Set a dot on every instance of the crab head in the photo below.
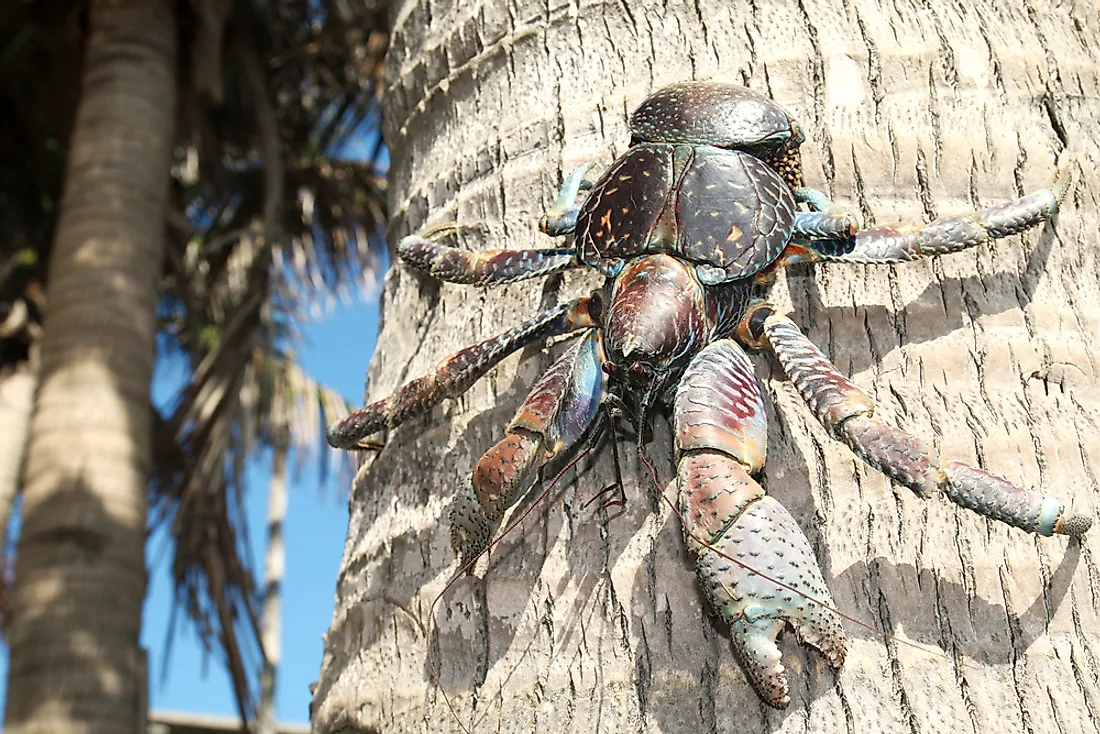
(656, 320)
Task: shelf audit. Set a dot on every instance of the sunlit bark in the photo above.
(585, 623)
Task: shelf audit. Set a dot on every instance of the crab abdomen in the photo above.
(725, 211)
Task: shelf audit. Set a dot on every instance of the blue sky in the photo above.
(336, 352)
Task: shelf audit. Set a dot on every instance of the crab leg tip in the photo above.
(1073, 525)
(341, 435)
(754, 643)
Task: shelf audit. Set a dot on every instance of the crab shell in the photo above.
(713, 113)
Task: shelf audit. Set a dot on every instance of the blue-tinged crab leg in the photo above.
(848, 414)
(558, 410)
(819, 202)
(455, 374)
(891, 243)
(561, 219)
(721, 438)
(489, 267)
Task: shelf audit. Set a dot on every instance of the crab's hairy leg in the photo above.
(489, 267)
(455, 374)
(891, 243)
(559, 409)
(848, 414)
(561, 218)
(721, 438)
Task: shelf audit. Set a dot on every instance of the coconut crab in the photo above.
(688, 227)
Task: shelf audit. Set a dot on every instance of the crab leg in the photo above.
(721, 438)
(818, 201)
(848, 414)
(892, 243)
(823, 225)
(561, 219)
(455, 374)
(489, 267)
(558, 410)
(497, 267)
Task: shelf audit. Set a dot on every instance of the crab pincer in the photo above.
(755, 564)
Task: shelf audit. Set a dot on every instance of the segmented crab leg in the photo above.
(561, 219)
(455, 374)
(823, 225)
(848, 414)
(721, 438)
(489, 267)
(497, 267)
(558, 410)
(892, 243)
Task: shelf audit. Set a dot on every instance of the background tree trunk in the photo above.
(584, 623)
(17, 385)
(271, 615)
(76, 665)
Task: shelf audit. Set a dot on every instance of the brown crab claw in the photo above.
(766, 577)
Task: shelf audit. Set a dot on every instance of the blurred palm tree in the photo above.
(266, 221)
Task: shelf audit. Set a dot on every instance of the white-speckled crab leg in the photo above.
(558, 410)
(488, 267)
(822, 231)
(456, 373)
(848, 414)
(721, 438)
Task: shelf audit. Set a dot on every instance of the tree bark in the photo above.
(76, 664)
(589, 623)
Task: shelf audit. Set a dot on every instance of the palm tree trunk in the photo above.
(585, 623)
(274, 572)
(76, 664)
(16, 399)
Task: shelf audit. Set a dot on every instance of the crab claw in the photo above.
(759, 573)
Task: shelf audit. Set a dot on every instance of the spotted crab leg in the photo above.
(848, 415)
(455, 374)
(558, 410)
(891, 243)
(721, 438)
(488, 267)
(497, 267)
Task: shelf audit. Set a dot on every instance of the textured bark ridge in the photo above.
(584, 622)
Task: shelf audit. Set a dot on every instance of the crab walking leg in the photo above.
(558, 410)
(455, 374)
(848, 414)
(561, 219)
(489, 267)
(893, 243)
(721, 438)
(823, 225)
